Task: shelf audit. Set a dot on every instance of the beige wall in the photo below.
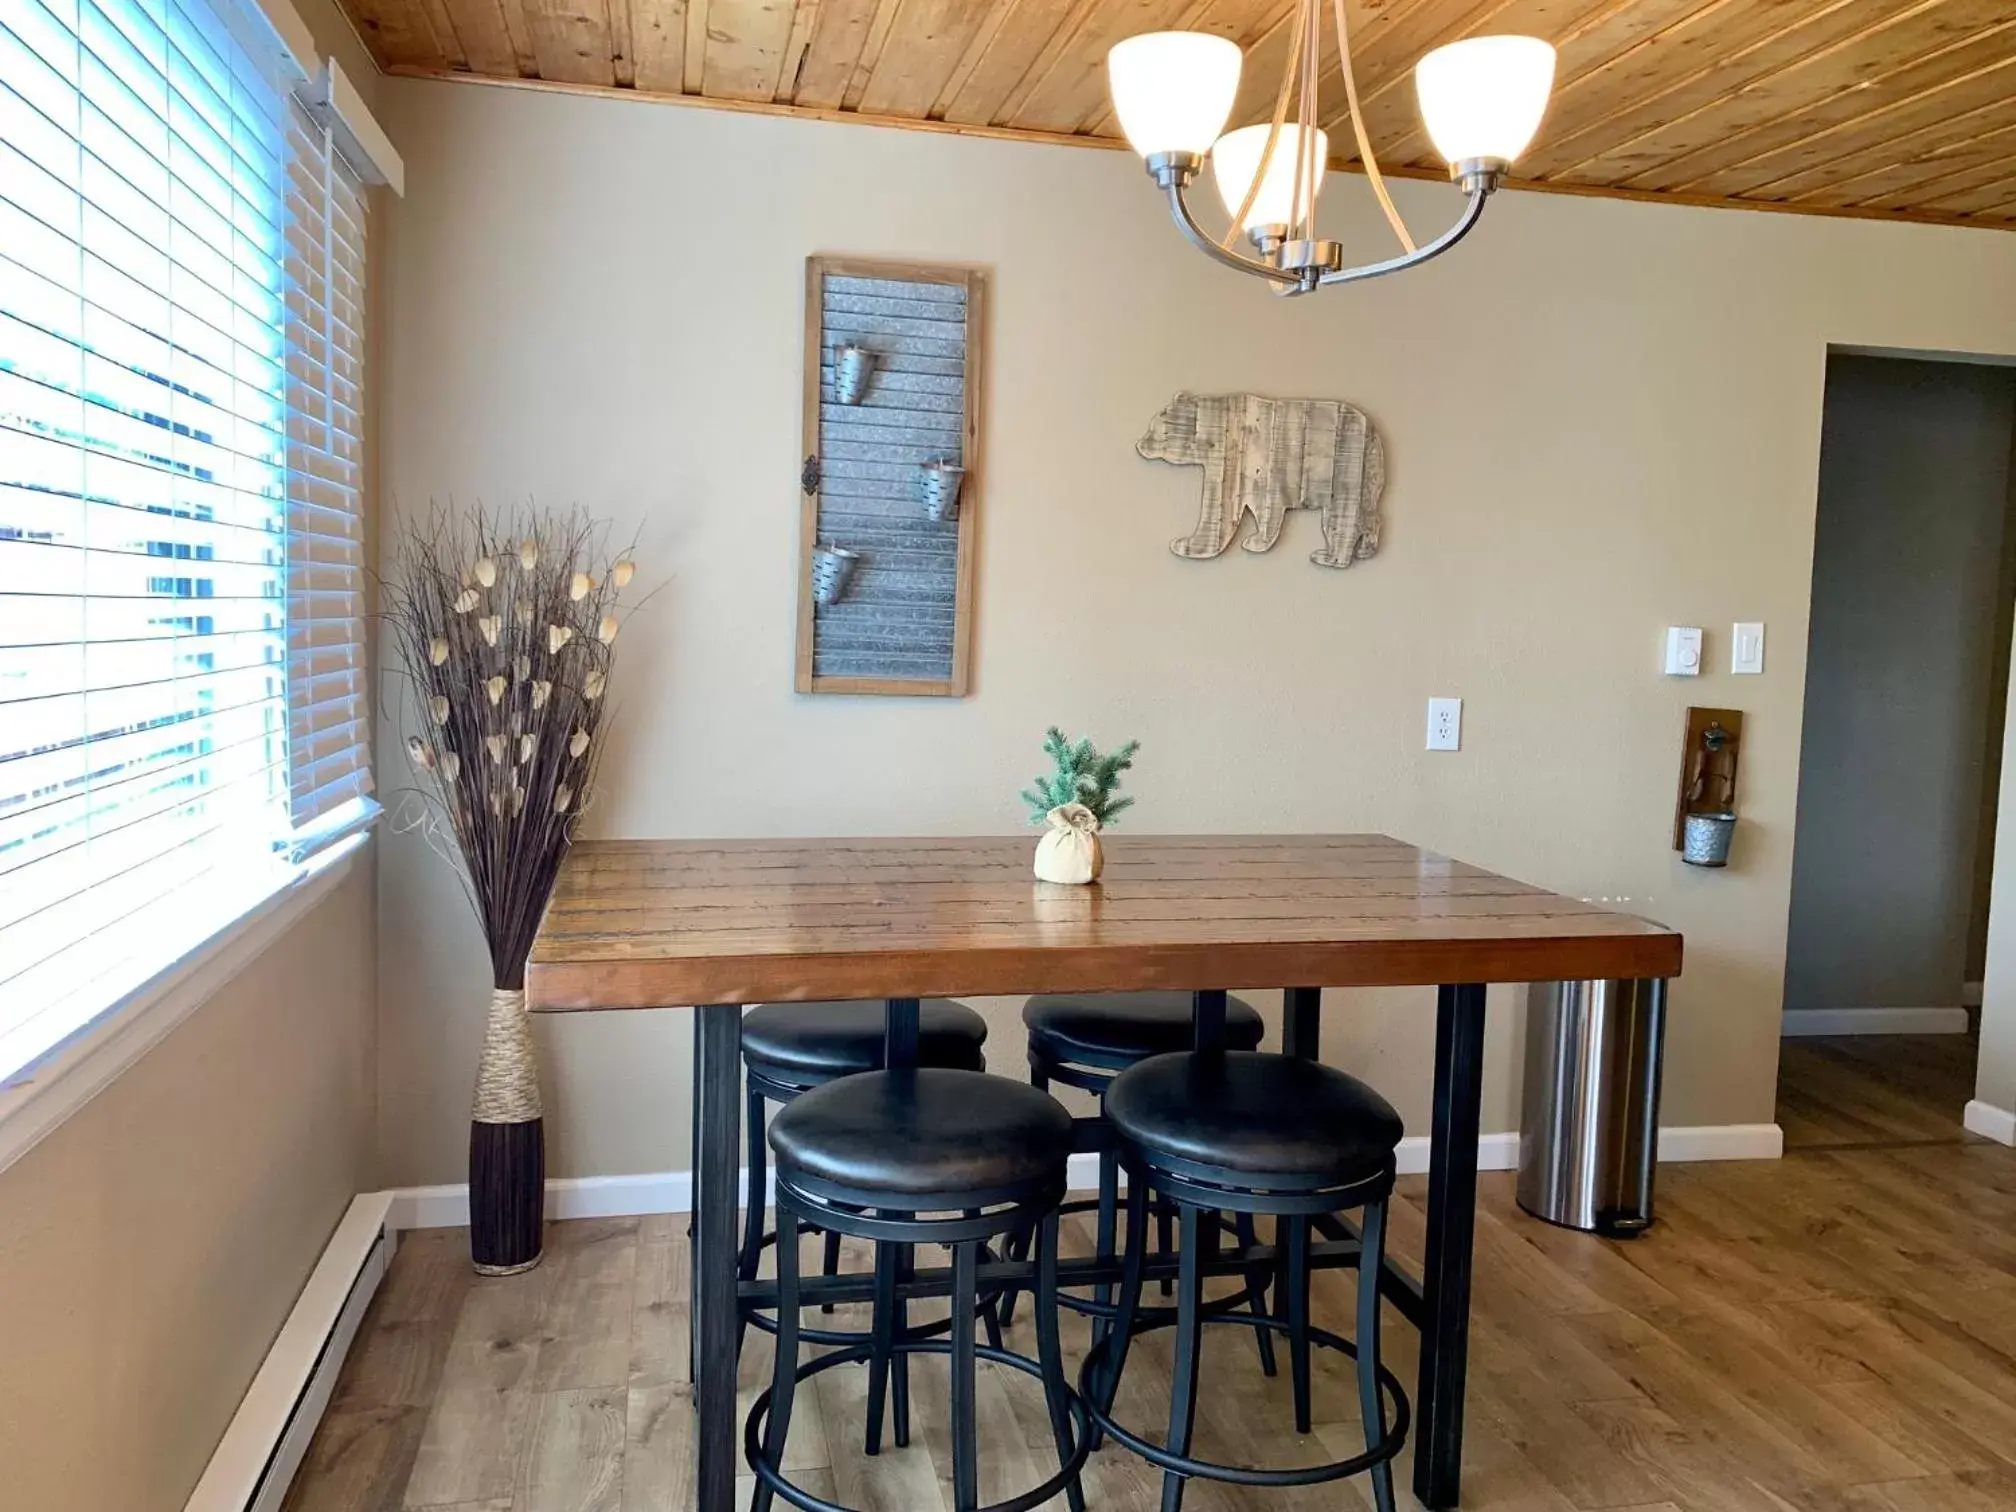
(1601, 419)
(152, 1245)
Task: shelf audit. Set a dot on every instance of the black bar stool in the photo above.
(790, 1048)
(1084, 1041)
(909, 1157)
(1259, 1135)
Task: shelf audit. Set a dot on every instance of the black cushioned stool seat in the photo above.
(1083, 1040)
(790, 1048)
(816, 1041)
(1255, 1114)
(1261, 1136)
(1116, 1029)
(924, 1133)
(921, 1155)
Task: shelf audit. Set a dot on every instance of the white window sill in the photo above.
(40, 1099)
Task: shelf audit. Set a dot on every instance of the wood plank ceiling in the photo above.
(1893, 108)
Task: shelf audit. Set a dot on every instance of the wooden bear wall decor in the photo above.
(1263, 457)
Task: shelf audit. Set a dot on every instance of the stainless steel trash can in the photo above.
(1589, 1138)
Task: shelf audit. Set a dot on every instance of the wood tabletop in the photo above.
(656, 923)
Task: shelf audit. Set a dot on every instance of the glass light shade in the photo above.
(1483, 97)
(1236, 159)
(1173, 90)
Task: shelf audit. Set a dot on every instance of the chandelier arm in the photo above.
(1365, 154)
(1179, 211)
(1266, 152)
(1472, 212)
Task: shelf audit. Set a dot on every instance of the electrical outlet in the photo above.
(1445, 724)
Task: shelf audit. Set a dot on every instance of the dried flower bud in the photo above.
(494, 744)
(421, 752)
(541, 691)
(437, 650)
(622, 572)
(451, 766)
(592, 685)
(558, 636)
(490, 626)
(523, 614)
(522, 668)
(580, 586)
(528, 553)
(495, 688)
(577, 743)
(517, 800)
(497, 805)
(527, 744)
(606, 631)
(486, 572)
(466, 600)
(437, 707)
(563, 796)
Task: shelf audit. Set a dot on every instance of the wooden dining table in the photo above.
(709, 926)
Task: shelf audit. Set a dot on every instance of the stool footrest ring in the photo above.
(1074, 1403)
(1386, 1449)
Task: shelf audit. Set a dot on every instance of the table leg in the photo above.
(901, 1029)
(717, 1077)
(1452, 1216)
(1302, 1023)
(1207, 1019)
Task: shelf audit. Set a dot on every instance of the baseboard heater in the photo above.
(270, 1433)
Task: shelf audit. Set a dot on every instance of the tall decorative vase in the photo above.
(507, 1145)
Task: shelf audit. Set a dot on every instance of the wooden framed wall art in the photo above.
(890, 481)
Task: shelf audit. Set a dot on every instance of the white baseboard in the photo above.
(255, 1461)
(672, 1191)
(1495, 1152)
(1721, 1142)
(1801, 1023)
(1990, 1122)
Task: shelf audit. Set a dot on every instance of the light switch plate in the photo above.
(1683, 651)
(1445, 724)
(1746, 647)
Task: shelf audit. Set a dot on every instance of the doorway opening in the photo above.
(1907, 679)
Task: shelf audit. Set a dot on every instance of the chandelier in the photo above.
(1481, 100)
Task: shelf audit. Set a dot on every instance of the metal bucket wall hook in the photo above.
(852, 367)
(832, 569)
(938, 484)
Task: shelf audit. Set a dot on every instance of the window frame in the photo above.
(315, 857)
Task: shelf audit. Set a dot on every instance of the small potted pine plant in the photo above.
(1077, 799)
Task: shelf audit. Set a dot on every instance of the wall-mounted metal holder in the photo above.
(1704, 819)
(832, 570)
(938, 485)
(852, 368)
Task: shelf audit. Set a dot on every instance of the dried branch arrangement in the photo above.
(507, 629)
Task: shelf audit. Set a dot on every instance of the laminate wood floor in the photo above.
(1875, 1089)
(1834, 1332)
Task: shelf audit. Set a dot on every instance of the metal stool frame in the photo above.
(866, 1214)
(1198, 1189)
(1093, 1071)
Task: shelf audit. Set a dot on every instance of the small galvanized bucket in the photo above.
(852, 366)
(938, 484)
(832, 569)
(1704, 839)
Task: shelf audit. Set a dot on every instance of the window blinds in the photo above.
(327, 699)
(166, 364)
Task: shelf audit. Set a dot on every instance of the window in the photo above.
(182, 680)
